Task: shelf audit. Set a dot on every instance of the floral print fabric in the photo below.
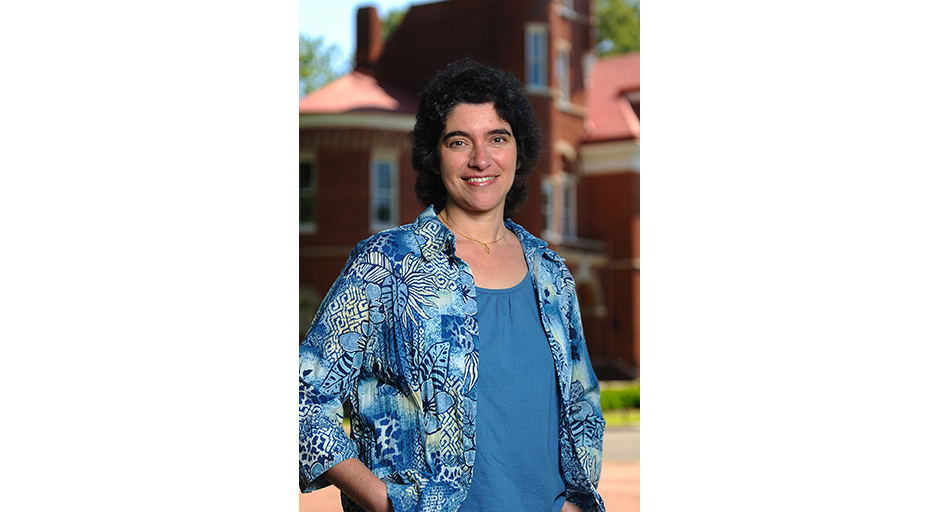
(396, 336)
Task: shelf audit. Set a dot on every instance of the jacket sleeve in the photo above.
(587, 421)
(330, 360)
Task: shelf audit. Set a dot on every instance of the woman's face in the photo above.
(478, 158)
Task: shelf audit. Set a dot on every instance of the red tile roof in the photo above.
(610, 115)
(356, 92)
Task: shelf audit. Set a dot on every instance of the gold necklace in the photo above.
(486, 245)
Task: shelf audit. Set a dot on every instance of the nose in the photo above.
(479, 158)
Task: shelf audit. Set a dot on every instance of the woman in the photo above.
(456, 339)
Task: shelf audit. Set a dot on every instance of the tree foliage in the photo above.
(391, 21)
(618, 28)
(318, 63)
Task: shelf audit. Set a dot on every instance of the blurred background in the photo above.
(580, 62)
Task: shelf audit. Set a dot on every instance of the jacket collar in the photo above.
(434, 238)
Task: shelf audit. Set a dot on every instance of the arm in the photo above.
(330, 359)
(586, 418)
(353, 478)
(584, 414)
(570, 507)
(355, 330)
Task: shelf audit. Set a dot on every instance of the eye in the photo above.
(456, 143)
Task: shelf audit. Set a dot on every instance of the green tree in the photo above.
(618, 27)
(391, 21)
(318, 63)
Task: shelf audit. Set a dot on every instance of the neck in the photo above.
(486, 226)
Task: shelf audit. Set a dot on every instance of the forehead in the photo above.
(473, 114)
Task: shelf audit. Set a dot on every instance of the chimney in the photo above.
(368, 37)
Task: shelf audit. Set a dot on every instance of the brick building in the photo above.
(356, 176)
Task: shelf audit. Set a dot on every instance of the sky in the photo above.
(335, 20)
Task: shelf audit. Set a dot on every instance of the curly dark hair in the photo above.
(468, 81)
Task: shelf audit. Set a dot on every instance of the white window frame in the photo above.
(569, 206)
(536, 56)
(309, 227)
(548, 209)
(376, 193)
(563, 69)
(565, 9)
(560, 207)
(588, 60)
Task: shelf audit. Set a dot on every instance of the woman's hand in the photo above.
(570, 507)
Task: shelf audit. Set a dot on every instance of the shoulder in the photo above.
(391, 252)
(425, 236)
(425, 240)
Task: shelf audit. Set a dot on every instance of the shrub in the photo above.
(623, 398)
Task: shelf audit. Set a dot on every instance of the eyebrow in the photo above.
(458, 133)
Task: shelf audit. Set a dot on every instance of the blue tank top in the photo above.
(517, 465)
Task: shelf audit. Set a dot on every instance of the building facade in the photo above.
(355, 172)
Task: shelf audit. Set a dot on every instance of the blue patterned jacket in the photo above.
(396, 336)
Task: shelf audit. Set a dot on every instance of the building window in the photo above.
(569, 208)
(560, 207)
(548, 209)
(383, 192)
(536, 55)
(563, 71)
(308, 193)
(588, 60)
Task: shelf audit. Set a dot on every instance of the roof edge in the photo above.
(372, 120)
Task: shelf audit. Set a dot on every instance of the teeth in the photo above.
(478, 180)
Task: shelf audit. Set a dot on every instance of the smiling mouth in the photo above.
(480, 180)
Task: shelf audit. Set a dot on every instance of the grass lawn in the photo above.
(622, 417)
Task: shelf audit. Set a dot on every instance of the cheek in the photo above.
(515, 156)
(448, 162)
